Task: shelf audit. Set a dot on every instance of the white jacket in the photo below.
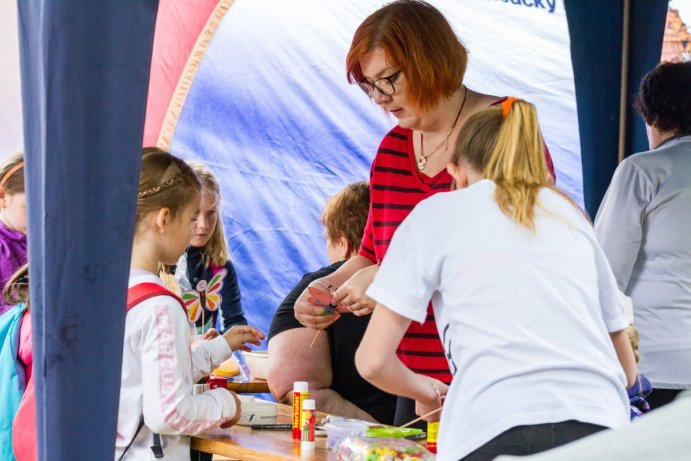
(158, 373)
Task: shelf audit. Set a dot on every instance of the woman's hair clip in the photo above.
(506, 106)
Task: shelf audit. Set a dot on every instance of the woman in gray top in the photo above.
(644, 226)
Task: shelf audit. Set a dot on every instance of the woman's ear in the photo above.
(459, 174)
(162, 220)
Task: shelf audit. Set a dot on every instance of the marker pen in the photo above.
(271, 427)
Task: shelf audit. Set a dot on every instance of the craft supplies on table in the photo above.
(257, 411)
(299, 394)
(375, 449)
(309, 412)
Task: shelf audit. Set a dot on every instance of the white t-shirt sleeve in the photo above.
(168, 404)
(613, 304)
(407, 277)
(619, 221)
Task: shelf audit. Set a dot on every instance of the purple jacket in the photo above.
(12, 256)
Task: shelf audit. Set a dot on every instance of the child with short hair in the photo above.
(157, 406)
(207, 256)
(12, 219)
(327, 360)
(526, 305)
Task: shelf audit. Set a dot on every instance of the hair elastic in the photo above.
(506, 106)
(10, 173)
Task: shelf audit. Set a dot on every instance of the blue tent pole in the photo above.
(595, 29)
(85, 73)
(648, 19)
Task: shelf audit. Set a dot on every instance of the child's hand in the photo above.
(237, 336)
(351, 295)
(437, 400)
(211, 333)
(238, 412)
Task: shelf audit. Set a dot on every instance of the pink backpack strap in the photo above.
(143, 291)
(215, 268)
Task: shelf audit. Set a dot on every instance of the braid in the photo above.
(165, 181)
(177, 179)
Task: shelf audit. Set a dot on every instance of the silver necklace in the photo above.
(422, 161)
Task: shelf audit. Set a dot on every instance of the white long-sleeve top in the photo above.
(158, 373)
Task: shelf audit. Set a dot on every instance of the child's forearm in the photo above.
(207, 355)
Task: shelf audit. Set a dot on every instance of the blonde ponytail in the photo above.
(517, 164)
(505, 144)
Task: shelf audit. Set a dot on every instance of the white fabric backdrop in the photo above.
(10, 97)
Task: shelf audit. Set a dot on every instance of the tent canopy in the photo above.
(84, 85)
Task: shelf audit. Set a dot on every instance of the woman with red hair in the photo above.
(408, 60)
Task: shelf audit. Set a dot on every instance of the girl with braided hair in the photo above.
(157, 407)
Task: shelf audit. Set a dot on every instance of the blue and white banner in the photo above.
(271, 112)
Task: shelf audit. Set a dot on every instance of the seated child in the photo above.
(327, 361)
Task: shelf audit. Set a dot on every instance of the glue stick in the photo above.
(308, 416)
(299, 394)
(432, 431)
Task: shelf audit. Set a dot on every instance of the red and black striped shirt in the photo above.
(396, 187)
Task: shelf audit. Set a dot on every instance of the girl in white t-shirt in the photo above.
(525, 303)
(158, 410)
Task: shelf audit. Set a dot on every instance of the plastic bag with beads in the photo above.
(377, 449)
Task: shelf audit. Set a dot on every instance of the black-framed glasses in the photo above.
(385, 85)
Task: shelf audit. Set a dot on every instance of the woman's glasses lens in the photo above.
(382, 85)
(367, 88)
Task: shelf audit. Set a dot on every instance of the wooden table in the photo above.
(256, 386)
(242, 443)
